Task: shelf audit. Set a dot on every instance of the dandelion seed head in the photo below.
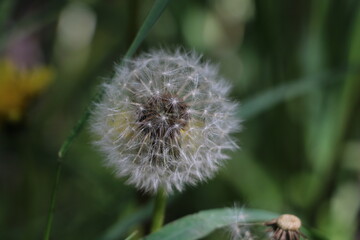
(165, 121)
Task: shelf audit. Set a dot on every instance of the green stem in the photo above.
(159, 210)
(53, 201)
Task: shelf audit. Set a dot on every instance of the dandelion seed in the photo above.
(240, 229)
(165, 121)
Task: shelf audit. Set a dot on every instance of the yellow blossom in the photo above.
(18, 86)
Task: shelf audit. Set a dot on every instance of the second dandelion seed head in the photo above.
(165, 121)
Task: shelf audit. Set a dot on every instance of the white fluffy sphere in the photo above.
(164, 121)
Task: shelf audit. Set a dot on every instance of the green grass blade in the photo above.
(203, 223)
(265, 100)
(77, 129)
(53, 202)
(334, 126)
(155, 13)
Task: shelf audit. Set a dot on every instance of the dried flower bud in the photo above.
(285, 227)
(165, 121)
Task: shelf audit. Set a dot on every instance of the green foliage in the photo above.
(201, 224)
(295, 70)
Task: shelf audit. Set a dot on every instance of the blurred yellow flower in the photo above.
(18, 86)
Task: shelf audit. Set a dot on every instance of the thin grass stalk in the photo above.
(53, 201)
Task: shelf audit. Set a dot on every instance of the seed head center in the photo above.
(162, 116)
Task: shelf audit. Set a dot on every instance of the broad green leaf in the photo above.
(201, 224)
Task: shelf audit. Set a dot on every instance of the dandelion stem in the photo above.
(159, 210)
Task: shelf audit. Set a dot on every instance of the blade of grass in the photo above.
(201, 224)
(333, 127)
(153, 16)
(53, 201)
(151, 19)
(269, 98)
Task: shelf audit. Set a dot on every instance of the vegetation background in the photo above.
(295, 70)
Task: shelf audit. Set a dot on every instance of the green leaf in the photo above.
(269, 98)
(201, 224)
(155, 13)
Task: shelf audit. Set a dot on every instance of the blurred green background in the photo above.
(295, 70)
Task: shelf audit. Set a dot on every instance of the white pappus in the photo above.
(164, 121)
